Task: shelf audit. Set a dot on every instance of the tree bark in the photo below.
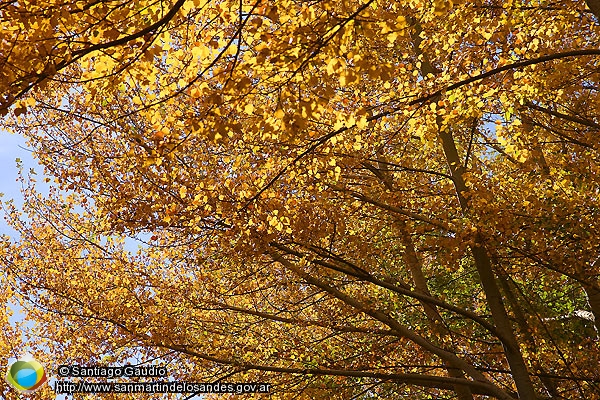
(594, 5)
(593, 297)
(397, 328)
(483, 264)
(410, 258)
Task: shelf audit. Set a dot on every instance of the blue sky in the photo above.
(11, 148)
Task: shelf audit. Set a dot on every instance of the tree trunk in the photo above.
(593, 297)
(410, 258)
(482, 261)
(594, 5)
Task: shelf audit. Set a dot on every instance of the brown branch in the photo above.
(77, 54)
(399, 329)
(291, 321)
(397, 210)
(557, 114)
(594, 5)
(399, 288)
(423, 100)
(432, 381)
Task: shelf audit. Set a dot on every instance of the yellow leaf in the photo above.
(362, 122)
(332, 66)
(200, 51)
(350, 122)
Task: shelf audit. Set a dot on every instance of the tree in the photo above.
(44, 37)
(350, 199)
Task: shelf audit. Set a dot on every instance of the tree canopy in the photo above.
(345, 199)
